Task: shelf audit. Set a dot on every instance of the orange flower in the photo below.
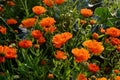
(92, 22)
(2, 54)
(27, 23)
(103, 78)
(95, 47)
(2, 59)
(118, 48)
(81, 77)
(82, 22)
(2, 30)
(93, 68)
(60, 39)
(60, 55)
(50, 76)
(49, 3)
(25, 43)
(38, 10)
(50, 29)
(11, 21)
(80, 54)
(86, 12)
(36, 34)
(115, 41)
(1, 9)
(102, 30)
(59, 1)
(113, 32)
(117, 78)
(116, 71)
(10, 52)
(10, 3)
(95, 35)
(47, 22)
(41, 40)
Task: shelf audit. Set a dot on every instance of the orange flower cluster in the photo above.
(93, 68)
(113, 32)
(29, 22)
(117, 78)
(115, 41)
(81, 77)
(25, 43)
(80, 54)
(60, 39)
(48, 24)
(60, 55)
(86, 12)
(50, 3)
(2, 30)
(103, 78)
(39, 36)
(38, 10)
(11, 21)
(7, 52)
(94, 46)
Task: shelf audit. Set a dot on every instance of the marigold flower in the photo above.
(49, 3)
(25, 43)
(82, 22)
(59, 1)
(60, 39)
(93, 68)
(47, 22)
(11, 21)
(80, 54)
(29, 22)
(60, 55)
(86, 12)
(38, 10)
(1, 9)
(102, 30)
(50, 76)
(81, 77)
(10, 52)
(113, 32)
(118, 48)
(36, 34)
(92, 22)
(2, 30)
(2, 59)
(95, 35)
(2, 54)
(115, 41)
(94, 46)
(10, 3)
(117, 78)
(41, 40)
(103, 78)
(50, 29)
(116, 71)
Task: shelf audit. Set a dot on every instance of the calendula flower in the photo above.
(60, 55)
(117, 78)
(86, 12)
(2, 59)
(82, 22)
(41, 40)
(2, 30)
(60, 39)
(25, 43)
(36, 34)
(115, 41)
(1, 9)
(10, 3)
(47, 22)
(10, 52)
(49, 3)
(103, 78)
(11, 21)
(80, 54)
(59, 1)
(50, 76)
(2, 54)
(94, 46)
(116, 71)
(113, 32)
(38, 10)
(93, 68)
(102, 30)
(29, 22)
(50, 29)
(81, 77)
(118, 48)
(95, 35)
